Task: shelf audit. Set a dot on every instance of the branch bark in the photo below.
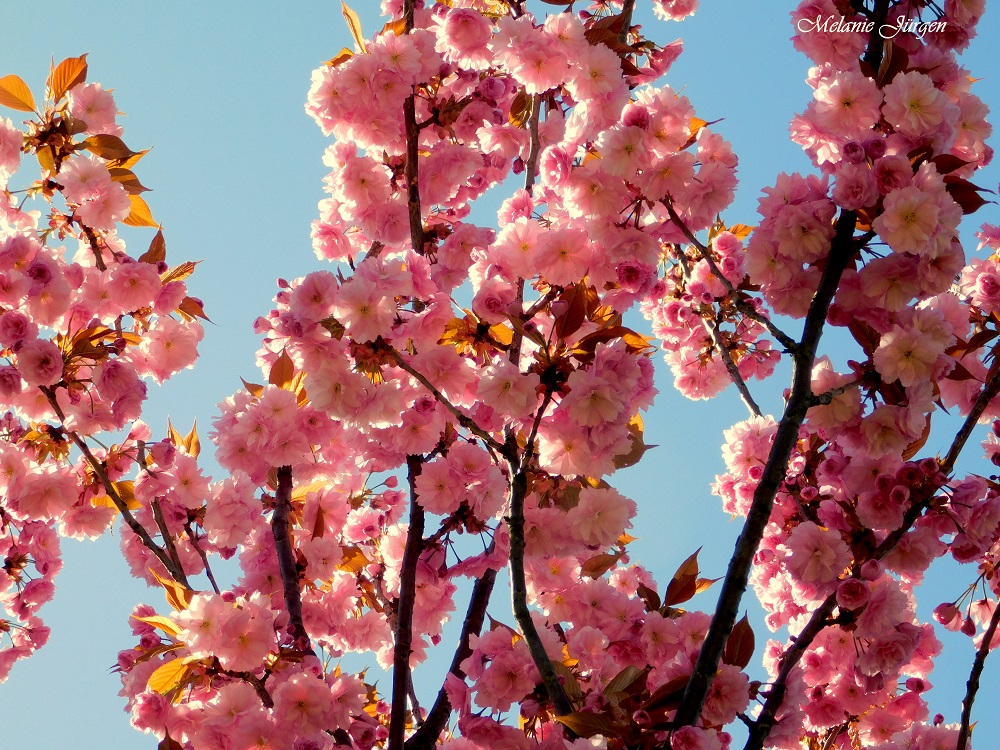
(972, 686)
(286, 559)
(841, 252)
(404, 609)
(426, 736)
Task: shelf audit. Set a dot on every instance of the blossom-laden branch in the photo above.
(712, 328)
(842, 250)
(174, 569)
(518, 467)
(425, 738)
(531, 167)
(403, 644)
(972, 686)
(280, 528)
(741, 304)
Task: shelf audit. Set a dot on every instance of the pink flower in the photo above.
(96, 107)
(40, 362)
(134, 285)
(913, 105)
(909, 220)
(601, 516)
(815, 555)
(304, 702)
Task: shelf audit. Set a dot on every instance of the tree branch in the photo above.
(842, 250)
(175, 571)
(742, 305)
(286, 559)
(425, 738)
(972, 687)
(531, 166)
(202, 555)
(412, 150)
(404, 609)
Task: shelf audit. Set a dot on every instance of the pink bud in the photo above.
(871, 570)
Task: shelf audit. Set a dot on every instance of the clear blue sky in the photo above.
(218, 90)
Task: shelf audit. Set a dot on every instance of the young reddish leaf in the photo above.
(282, 371)
(520, 109)
(598, 565)
(168, 676)
(140, 215)
(742, 231)
(638, 449)
(178, 597)
(965, 194)
(254, 389)
(69, 73)
(169, 743)
(704, 584)
(191, 308)
(397, 27)
(621, 681)
(180, 273)
(192, 445)
(650, 597)
(341, 57)
(353, 561)
(667, 695)
(865, 335)
(354, 24)
(174, 435)
(573, 302)
(684, 584)
(15, 94)
(165, 624)
(587, 723)
(127, 179)
(157, 251)
(570, 683)
(946, 163)
(740, 645)
(109, 147)
(913, 448)
(129, 162)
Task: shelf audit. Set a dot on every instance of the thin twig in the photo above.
(742, 305)
(168, 538)
(463, 419)
(972, 687)
(827, 397)
(531, 166)
(137, 528)
(842, 249)
(712, 328)
(403, 645)
(280, 528)
(202, 555)
(412, 150)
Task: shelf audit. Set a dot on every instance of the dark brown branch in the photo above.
(404, 609)
(972, 687)
(202, 555)
(519, 597)
(463, 419)
(627, 7)
(531, 166)
(412, 151)
(176, 572)
(168, 538)
(280, 528)
(426, 736)
(762, 726)
(842, 250)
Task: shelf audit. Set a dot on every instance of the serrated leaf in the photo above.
(598, 565)
(704, 584)
(131, 161)
(354, 24)
(587, 723)
(353, 561)
(109, 147)
(341, 57)
(742, 231)
(397, 27)
(684, 584)
(178, 597)
(649, 597)
(69, 73)
(127, 179)
(623, 680)
(15, 94)
(168, 676)
(140, 215)
(157, 251)
(282, 371)
(740, 645)
(191, 308)
(165, 624)
(254, 389)
(169, 743)
(191, 442)
(913, 448)
(520, 109)
(181, 272)
(569, 680)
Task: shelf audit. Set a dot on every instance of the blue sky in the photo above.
(218, 89)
